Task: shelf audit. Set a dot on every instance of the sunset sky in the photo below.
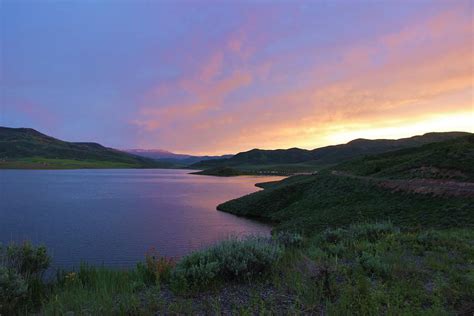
(215, 77)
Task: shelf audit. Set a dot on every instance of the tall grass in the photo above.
(96, 291)
(361, 269)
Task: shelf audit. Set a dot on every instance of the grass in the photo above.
(373, 269)
(50, 163)
(312, 203)
(95, 291)
(23, 148)
(359, 269)
(259, 169)
(444, 160)
(220, 172)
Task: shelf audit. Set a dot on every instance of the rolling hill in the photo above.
(167, 156)
(28, 148)
(410, 187)
(316, 158)
(453, 159)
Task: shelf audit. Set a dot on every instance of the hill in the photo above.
(167, 156)
(453, 159)
(310, 160)
(220, 172)
(28, 148)
(344, 244)
(362, 190)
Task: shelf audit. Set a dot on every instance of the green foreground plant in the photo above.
(21, 276)
(360, 269)
(230, 260)
(374, 269)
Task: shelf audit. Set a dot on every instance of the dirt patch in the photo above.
(438, 187)
(229, 300)
(437, 173)
(430, 186)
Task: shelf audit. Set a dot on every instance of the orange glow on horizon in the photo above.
(390, 86)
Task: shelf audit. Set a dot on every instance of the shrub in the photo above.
(25, 259)
(372, 231)
(156, 268)
(374, 264)
(233, 259)
(288, 239)
(198, 270)
(13, 290)
(430, 240)
(22, 267)
(334, 235)
(335, 249)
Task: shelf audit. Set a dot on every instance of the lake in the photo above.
(113, 217)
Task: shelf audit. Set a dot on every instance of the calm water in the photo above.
(113, 217)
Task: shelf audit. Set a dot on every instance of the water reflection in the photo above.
(114, 216)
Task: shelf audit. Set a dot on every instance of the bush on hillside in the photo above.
(372, 231)
(288, 239)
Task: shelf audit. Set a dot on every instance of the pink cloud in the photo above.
(427, 61)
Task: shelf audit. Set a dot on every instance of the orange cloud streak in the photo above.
(416, 75)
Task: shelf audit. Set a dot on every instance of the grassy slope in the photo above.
(274, 169)
(450, 159)
(312, 203)
(376, 269)
(48, 163)
(27, 148)
(220, 172)
(318, 201)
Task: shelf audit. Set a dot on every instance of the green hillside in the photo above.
(220, 172)
(328, 199)
(28, 148)
(301, 160)
(453, 159)
(313, 203)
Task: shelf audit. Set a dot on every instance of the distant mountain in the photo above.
(325, 155)
(157, 154)
(164, 155)
(26, 147)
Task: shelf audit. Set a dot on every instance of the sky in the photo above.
(219, 77)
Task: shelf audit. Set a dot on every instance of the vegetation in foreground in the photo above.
(361, 269)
